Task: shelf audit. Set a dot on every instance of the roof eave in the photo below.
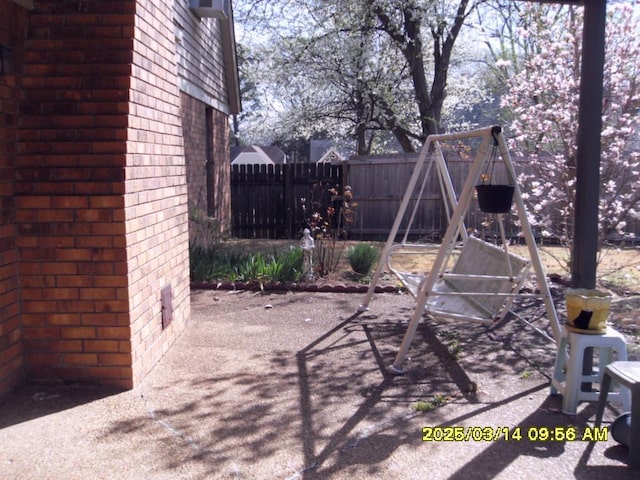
(231, 63)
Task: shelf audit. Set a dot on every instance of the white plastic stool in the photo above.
(568, 377)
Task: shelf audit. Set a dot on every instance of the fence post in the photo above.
(289, 200)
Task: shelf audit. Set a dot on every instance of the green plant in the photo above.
(292, 262)
(278, 267)
(210, 263)
(424, 407)
(216, 263)
(362, 258)
(252, 268)
(455, 349)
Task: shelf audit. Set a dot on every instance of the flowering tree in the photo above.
(376, 71)
(542, 101)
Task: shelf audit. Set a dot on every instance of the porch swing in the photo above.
(470, 279)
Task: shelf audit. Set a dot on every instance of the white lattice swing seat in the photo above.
(394, 262)
(480, 286)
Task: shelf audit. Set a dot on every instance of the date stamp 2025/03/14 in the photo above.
(516, 434)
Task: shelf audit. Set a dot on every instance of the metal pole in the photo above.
(585, 238)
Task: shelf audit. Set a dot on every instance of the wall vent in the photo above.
(166, 300)
(210, 8)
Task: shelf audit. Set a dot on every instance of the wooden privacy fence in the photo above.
(267, 201)
(274, 201)
(379, 185)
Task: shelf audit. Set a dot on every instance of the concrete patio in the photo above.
(292, 386)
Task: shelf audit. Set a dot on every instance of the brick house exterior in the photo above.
(106, 136)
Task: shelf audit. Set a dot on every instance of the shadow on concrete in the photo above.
(434, 371)
(537, 431)
(300, 390)
(34, 401)
(330, 401)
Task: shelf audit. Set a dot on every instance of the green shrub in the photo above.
(214, 263)
(211, 263)
(292, 263)
(362, 258)
(252, 267)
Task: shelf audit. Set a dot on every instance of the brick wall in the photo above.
(93, 192)
(12, 32)
(156, 190)
(70, 172)
(209, 192)
(101, 205)
(221, 178)
(195, 144)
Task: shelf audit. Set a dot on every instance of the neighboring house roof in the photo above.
(317, 148)
(257, 154)
(331, 156)
(327, 151)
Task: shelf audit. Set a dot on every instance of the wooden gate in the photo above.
(269, 201)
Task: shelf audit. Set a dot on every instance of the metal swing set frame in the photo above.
(470, 279)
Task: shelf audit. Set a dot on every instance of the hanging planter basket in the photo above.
(495, 198)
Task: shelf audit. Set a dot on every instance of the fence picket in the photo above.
(266, 200)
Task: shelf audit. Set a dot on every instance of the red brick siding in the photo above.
(202, 196)
(70, 173)
(12, 32)
(195, 144)
(93, 192)
(221, 182)
(155, 189)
